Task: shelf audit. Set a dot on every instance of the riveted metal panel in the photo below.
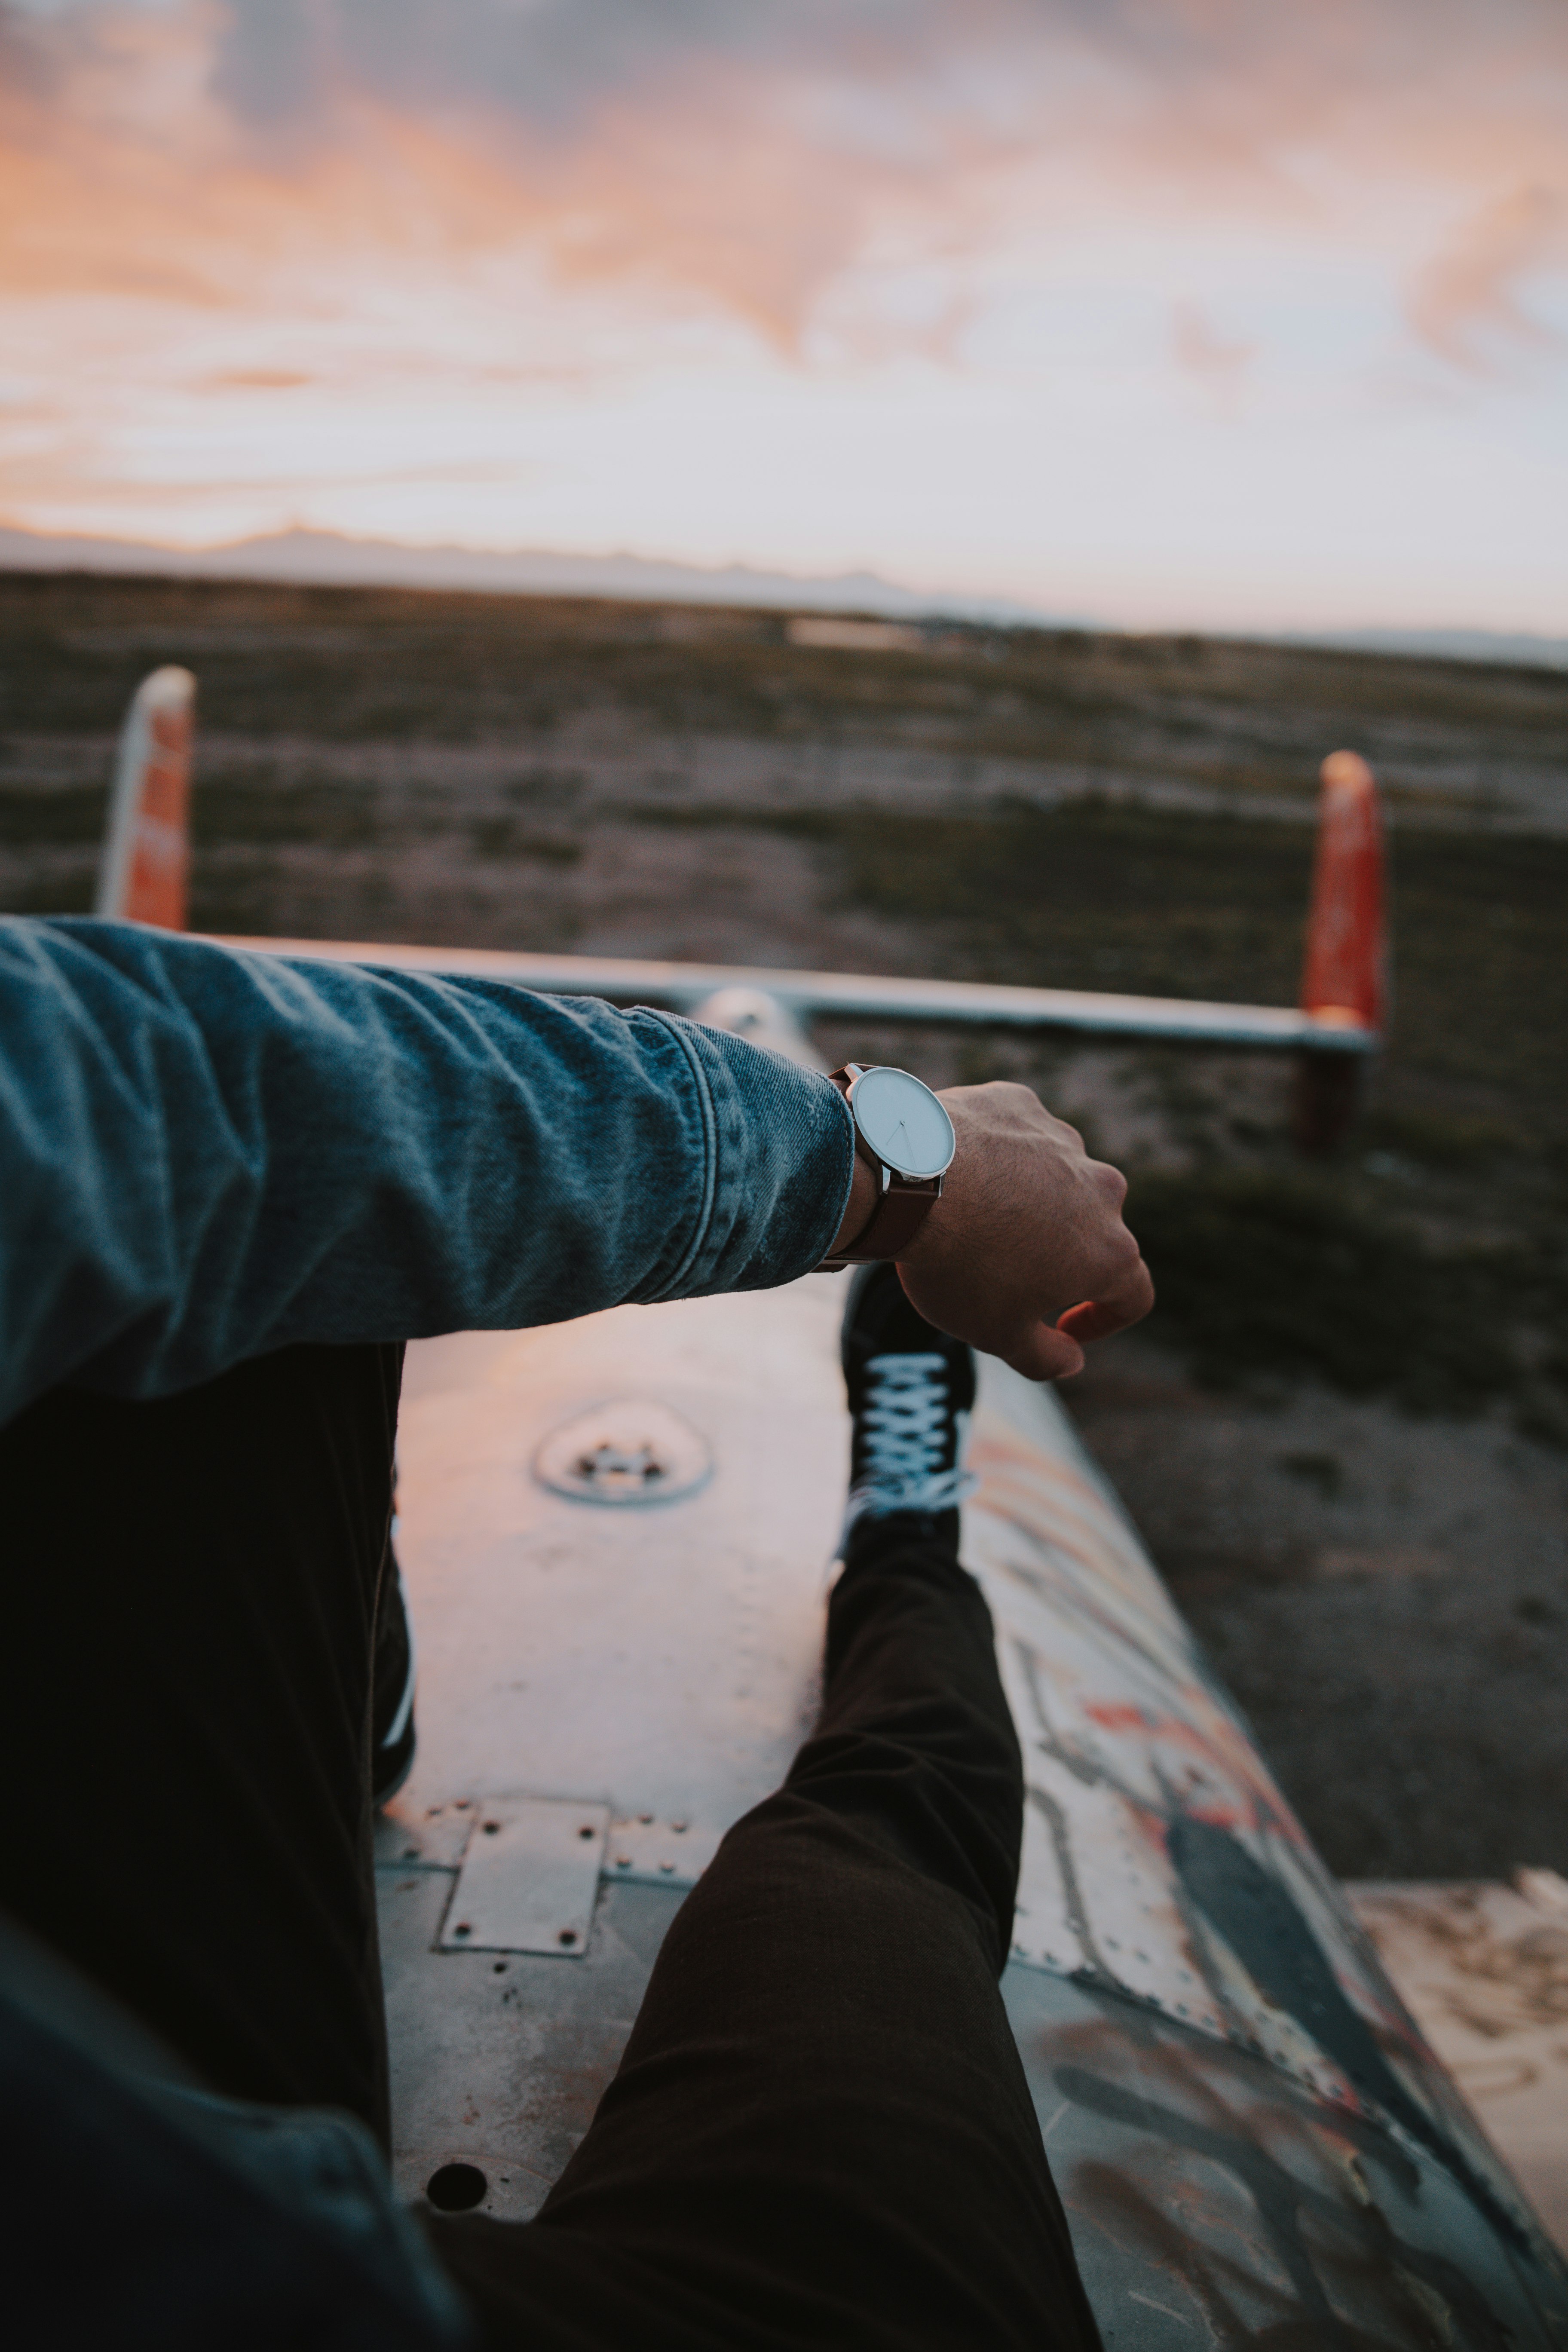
(529, 1878)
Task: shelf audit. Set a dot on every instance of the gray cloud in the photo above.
(552, 63)
(549, 63)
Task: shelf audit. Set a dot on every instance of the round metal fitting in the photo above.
(627, 1453)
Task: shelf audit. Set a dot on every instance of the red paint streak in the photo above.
(1111, 1717)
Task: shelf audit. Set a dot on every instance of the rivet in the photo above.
(567, 1935)
(644, 1819)
(623, 1861)
(678, 1827)
(667, 1866)
(463, 1928)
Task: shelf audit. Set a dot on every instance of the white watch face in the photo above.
(903, 1122)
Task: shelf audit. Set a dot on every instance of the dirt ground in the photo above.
(1344, 1433)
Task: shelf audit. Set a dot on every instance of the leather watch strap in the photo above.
(895, 1220)
(902, 1207)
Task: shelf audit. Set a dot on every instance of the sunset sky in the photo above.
(1206, 312)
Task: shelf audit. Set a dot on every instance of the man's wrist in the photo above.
(858, 1209)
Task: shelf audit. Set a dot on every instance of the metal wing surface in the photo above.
(1253, 2143)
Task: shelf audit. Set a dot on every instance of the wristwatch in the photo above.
(906, 1139)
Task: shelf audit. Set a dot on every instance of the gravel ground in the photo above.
(1385, 1595)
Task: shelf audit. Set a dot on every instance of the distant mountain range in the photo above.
(1508, 645)
(330, 559)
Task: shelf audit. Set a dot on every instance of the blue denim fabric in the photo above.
(212, 2221)
(205, 1154)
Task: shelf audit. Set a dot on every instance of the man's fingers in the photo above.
(1096, 1318)
(1046, 1355)
(1134, 1295)
(1127, 1300)
(1108, 1180)
(1085, 1322)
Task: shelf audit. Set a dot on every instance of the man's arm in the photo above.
(204, 1155)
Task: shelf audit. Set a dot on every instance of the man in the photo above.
(230, 1188)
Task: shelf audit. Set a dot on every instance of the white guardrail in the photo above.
(860, 996)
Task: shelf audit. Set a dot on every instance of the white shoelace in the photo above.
(904, 1424)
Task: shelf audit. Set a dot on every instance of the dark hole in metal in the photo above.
(498, 1967)
(463, 1928)
(456, 2188)
(586, 1830)
(490, 1828)
(567, 1935)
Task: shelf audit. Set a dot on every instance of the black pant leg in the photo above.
(190, 1592)
(821, 2134)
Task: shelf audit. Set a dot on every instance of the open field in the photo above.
(1345, 1430)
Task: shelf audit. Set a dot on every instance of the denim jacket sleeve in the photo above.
(205, 1154)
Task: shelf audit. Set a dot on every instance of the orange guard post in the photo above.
(1344, 980)
(147, 855)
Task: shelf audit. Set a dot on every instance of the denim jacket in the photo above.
(205, 1154)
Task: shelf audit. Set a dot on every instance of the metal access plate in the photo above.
(529, 1878)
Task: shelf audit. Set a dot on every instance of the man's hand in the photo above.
(1025, 1254)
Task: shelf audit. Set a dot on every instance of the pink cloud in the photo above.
(1466, 302)
(1214, 361)
(743, 154)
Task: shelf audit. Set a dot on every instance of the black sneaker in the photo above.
(912, 1389)
(393, 1676)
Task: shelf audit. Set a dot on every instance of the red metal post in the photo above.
(1344, 980)
(147, 855)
